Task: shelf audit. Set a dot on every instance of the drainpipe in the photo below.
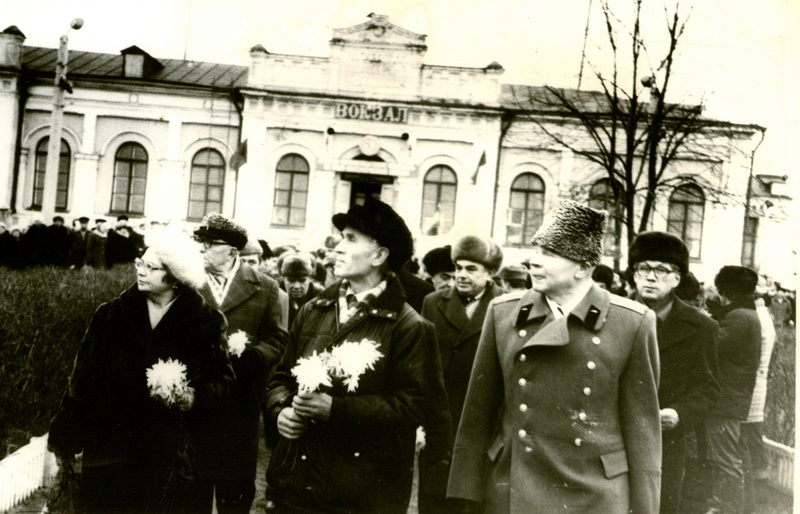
(238, 101)
(506, 120)
(750, 188)
(24, 93)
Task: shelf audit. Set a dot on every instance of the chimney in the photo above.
(11, 41)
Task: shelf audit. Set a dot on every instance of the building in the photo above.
(283, 144)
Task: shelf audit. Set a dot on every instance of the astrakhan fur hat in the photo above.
(217, 226)
(478, 249)
(179, 256)
(573, 231)
(659, 246)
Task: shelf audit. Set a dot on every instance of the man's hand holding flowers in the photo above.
(313, 405)
(290, 424)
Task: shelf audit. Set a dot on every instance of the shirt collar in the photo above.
(580, 292)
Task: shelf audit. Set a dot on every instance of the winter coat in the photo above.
(362, 458)
(739, 353)
(228, 448)
(457, 337)
(294, 307)
(416, 289)
(562, 415)
(107, 411)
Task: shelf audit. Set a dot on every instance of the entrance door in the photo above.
(360, 190)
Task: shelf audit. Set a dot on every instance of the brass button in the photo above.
(591, 365)
(522, 433)
(522, 357)
(596, 340)
(357, 454)
(303, 457)
(582, 416)
(528, 449)
(523, 407)
(523, 333)
(522, 381)
(578, 441)
(587, 391)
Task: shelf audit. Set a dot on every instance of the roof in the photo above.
(174, 71)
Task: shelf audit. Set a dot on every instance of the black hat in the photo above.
(58, 218)
(122, 217)
(480, 250)
(438, 260)
(295, 266)
(380, 222)
(514, 272)
(659, 246)
(573, 231)
(83, 219)
(266, 251)
(217, 226)
(99, 220)
(736, 279)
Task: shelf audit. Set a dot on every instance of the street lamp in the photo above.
(61, 85)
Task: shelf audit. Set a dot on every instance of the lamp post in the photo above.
(57, 122)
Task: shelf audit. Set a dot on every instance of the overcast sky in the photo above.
(741, 57)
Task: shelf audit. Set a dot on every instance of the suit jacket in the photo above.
(230, 448)
(562, 414)
(687, 348)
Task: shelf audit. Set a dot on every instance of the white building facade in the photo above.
(287, 142)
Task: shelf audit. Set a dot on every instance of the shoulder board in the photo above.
(508, 297)
(627, 304)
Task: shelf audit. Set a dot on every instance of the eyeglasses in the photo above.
(208, 243)
(139, 264)
(643, 271)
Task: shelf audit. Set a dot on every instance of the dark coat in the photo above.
(739, 353)
(79, 245)
(107, 411)
(362, 458)
(294, 307)
(415, 288)
(96, 250)
(562, 414)
(229, 448)
(457, 337)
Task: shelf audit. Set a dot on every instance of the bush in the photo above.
(44, 313)
(780, 409)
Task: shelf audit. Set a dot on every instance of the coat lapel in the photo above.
(677, 327)
(452, 309)
(475, 323)
(244, 285)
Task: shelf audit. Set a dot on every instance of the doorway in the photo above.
(364, 185)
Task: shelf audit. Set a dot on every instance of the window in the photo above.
(62, 188)
(130, 179)
(291, 191)
(749, 242)
(206, 183)
(601, 197)
(685, 219)
(438, 200)
(525, 209)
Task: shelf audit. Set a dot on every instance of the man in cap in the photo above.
(561, 412)
(253, 255)
(439, 267)
(296, 270)
(58, 242)
(228, 451)
(457, 313)
(80, 240)
(96, 244)
(514, 277)
(687, 348)
(352, 449)
(739, 353)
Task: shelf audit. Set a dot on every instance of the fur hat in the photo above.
(179, 256)
(514, 272)
(380, 222)
(659, 246)
(478, 249)
(217, 226)
(736, 279)
(295, 265)
(438, 260)
(573, 231)
(251, 248)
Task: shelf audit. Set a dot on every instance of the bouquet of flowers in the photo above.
(237, 342)
(348, 361)
(167, 381)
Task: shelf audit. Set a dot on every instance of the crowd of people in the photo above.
(553, 384)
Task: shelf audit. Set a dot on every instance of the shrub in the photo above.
(44, 313)
(780, 409)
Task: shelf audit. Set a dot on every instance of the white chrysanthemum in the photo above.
(237, 342)
(167, 381)
(350, 360)
(312, 372)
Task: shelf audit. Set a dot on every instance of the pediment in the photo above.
(379, 30)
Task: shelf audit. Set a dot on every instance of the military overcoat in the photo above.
(562, 414)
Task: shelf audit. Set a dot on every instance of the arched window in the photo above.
(206, 183)
(130, 179)
(601, 197)
(62, 187)
(525, 209)
(291, 191)
(439, 200)
(685, 220)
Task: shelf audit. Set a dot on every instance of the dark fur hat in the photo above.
(573, 231)
(217, 226)
(296, 266)
(480, 250)
(380, 222)
(659, 246)
(438, 260)
(514, 272)
(736, 279)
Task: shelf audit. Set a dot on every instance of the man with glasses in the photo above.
(687, 347)
(249, 300)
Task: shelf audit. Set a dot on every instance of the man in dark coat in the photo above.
(739, 353)
(58, 242)
(562, 412)
(439, 267)
(96, 245)
(351, 449)
(687, 348)
(457, 313)
(228, 454)
(296, 270)
(80, 242)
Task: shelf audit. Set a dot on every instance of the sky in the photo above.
(741, 58)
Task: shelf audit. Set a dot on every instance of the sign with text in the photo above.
(372, 112)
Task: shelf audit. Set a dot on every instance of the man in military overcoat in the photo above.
(562, 408)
